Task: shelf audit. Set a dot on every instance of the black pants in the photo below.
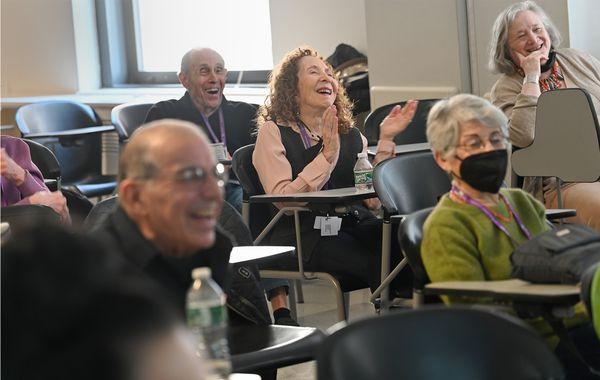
(355, 254)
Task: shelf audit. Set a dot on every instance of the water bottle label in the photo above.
(363, 177)
(212, 316)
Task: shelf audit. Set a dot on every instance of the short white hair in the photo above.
(446, 116)
(499, 60)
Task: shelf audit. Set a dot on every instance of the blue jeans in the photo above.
(233, 194)
(270, 284)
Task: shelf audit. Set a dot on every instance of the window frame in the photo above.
(118, 39)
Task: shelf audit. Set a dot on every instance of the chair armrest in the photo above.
(509, 290)
(268, 347)
(72, 133)
(559, 213)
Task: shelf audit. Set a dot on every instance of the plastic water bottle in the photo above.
(363, 173)
(207, 318)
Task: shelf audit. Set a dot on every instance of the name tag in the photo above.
(329, 225)
(220, 151)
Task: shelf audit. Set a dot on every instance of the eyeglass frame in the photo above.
(196, 174)
(503, 143)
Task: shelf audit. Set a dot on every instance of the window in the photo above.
(142, 41)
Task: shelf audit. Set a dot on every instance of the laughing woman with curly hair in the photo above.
(307, 142)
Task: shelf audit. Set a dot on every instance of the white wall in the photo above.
(323, 24)
(415, 49)
(584, 25)
(38, 48)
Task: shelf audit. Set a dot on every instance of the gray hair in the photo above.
(137, 160)
(447, 115)
(500, 61)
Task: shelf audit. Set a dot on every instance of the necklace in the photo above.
(497, 214)
(554, 80)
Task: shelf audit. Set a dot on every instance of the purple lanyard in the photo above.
(221, 127)
(304, 135)
(488, 213)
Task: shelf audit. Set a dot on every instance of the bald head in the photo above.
(141, 157)
(170, 186)
(198, 55)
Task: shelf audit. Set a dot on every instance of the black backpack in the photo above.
(560, 255)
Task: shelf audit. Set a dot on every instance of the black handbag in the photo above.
(560, 255)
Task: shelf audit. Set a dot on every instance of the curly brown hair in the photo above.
(282, 103)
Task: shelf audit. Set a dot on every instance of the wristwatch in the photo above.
(531, 78)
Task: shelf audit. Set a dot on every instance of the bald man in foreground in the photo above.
(170, 198)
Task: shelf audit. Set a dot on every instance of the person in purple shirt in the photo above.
(22, 182)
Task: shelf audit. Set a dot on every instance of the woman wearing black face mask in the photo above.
(471, 233)
(525, 51)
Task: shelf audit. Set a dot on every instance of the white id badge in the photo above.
(330, 226)
(318, 221)
(220, 152)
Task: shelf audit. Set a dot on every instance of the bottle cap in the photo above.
(362, 155)
(202, 272)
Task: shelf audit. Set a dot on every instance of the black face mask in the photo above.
(484, 171)
(548, 65)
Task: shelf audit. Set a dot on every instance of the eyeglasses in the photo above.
(475, 143)
(197, 175)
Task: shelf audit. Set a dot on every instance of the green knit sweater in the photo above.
(460, 243)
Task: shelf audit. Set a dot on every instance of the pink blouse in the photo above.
(275, 171)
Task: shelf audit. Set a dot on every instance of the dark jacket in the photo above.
(238, 117)
(174, 274)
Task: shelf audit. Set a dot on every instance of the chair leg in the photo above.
(386, 245)
(418, 299)
(339, 296)
(292, 300)
(299, 291)
(384, 284)
(341, 309)
(346, 296)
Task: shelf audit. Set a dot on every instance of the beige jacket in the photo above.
(580, 70)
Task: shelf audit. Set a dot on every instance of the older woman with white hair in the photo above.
(524, 49)
(472, 231)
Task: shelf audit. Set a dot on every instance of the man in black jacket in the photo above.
(203, 74)
(170, 197)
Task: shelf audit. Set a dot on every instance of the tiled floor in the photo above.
(319, 310)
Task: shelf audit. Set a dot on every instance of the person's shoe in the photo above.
(283, 316)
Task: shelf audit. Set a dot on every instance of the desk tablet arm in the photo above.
(71, 137)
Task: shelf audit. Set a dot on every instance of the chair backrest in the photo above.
(409, 182)
(80, 160)
(55, 115)
(415, 133)
(241, 163)
(567, 139)
(128, 117)
(44, 159)
(410, 235)
(99, 213)
(437, 343)
(21, 216)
